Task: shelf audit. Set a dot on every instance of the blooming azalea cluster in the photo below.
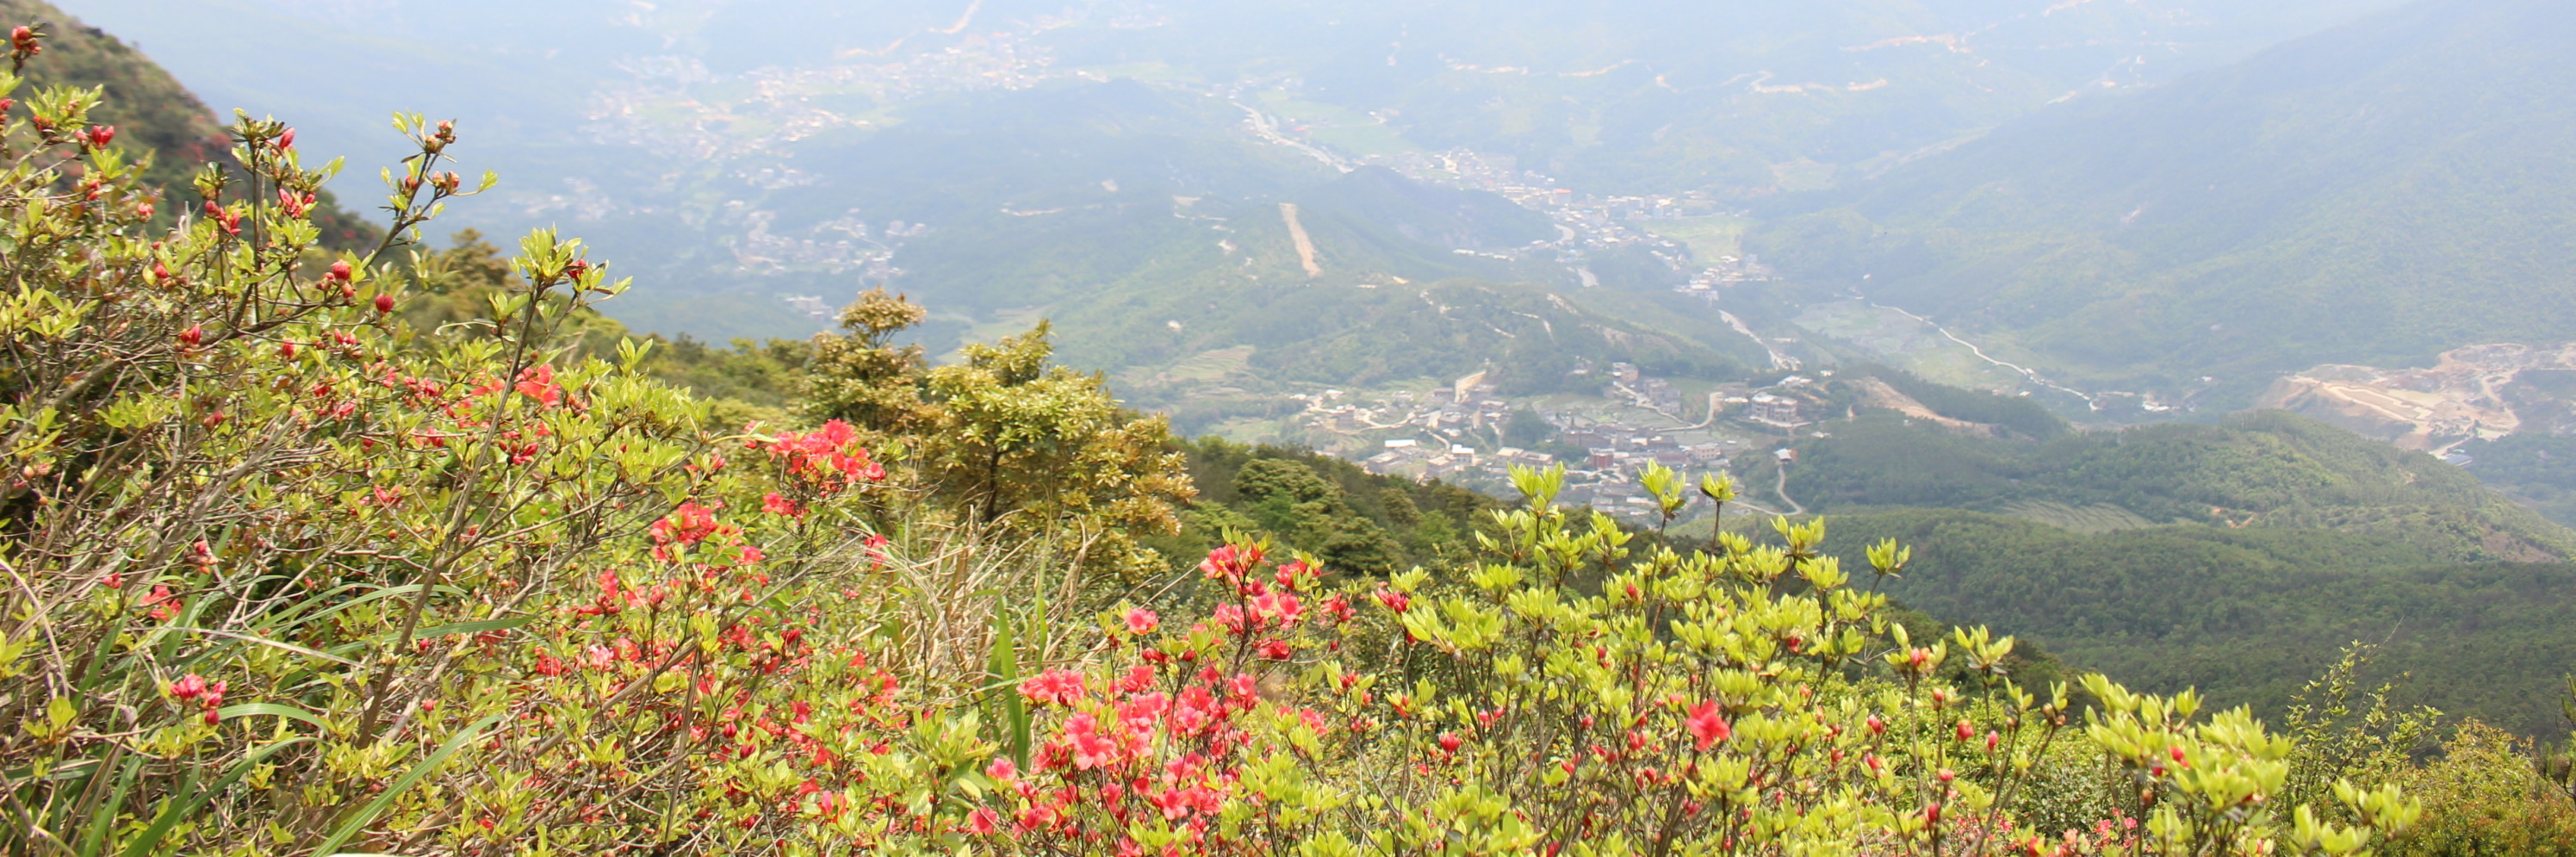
(207, 696)
(825, 461)
(1146, 759)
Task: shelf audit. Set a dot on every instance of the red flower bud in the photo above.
(100, 136)
(1965, 731)
(340, 270)
(188, 686)
(286, 350)
(384, 303)
(286, 140)
(193, 335)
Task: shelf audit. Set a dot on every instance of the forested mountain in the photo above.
(2237, 558)
(2264, 469)
(2372, 194)
(2246, 615)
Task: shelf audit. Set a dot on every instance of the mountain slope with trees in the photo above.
(2372, 194)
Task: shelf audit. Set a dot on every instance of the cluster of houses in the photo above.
(1455, 463)
(1450, 434)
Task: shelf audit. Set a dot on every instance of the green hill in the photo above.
(2246, 615)
(2372, 194)
(2259, 470)
(2238, 557)
(150, 110)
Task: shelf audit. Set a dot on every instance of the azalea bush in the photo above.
(1569, 694)
(287, 575)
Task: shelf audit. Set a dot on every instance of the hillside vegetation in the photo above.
(2265, 469)
(151, 111)
(2238, 558)
(2246, 615)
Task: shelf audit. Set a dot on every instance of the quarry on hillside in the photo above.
(2481, 392)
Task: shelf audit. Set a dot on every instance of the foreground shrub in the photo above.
(2483, 797)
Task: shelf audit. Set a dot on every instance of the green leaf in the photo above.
(366, 815)
(179, 808)
(475, 627)
(104, 817)
(255, 709)
(1014, 715)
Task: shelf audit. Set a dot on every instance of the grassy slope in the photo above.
(150, 109)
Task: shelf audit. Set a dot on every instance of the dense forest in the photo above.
(2260, 469)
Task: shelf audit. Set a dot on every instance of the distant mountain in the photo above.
(671, 133)
(1734, 97)
(2373, 194)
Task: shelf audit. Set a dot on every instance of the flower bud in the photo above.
(286, 141)
(340, 270)
(193, 335)
(384, 303)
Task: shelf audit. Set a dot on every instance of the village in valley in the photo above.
(1468, 433)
